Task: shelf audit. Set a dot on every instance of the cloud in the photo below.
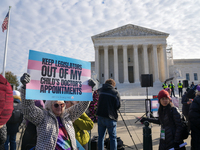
(65, 28)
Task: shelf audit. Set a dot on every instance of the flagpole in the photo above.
(6, 43)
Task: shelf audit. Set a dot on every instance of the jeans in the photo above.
(111, 126)
(11, 138)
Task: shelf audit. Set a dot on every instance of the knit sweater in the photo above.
(3, 136)
(47, 124)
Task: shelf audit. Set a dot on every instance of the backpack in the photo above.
(17, 115)
(120, 143)
(6, 100)
(185, 132)
(184, 123)
(94, 143)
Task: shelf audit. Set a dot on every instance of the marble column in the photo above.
(97, 61)
(125, 62)
(116, 73)
(105, 63)
(136, 64)
(165, 62)
(155, 58)
(145, 54)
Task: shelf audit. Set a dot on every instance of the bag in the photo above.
(185, 132)
(184, 123)
(6, 100)
(94, 143)
(17, 115)
(120, 143)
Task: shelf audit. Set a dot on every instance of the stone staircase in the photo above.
(137, 105)
(132, 89)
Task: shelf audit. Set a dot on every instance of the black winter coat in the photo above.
(109, 102)
(12, 128)
(194, 118)
(171, 122)
(185, 107)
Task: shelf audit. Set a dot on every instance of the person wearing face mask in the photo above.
(54, 124)
(170, 121)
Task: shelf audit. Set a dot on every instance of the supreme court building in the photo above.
(127, 52)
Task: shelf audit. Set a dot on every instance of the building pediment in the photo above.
(130, 30)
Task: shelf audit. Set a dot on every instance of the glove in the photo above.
(25, 79)
(194, 87)
(91, 83)
(176, 145)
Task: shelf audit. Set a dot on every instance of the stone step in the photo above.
(136, 106)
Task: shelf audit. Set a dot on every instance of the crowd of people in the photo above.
(170, 118)
(60, 125)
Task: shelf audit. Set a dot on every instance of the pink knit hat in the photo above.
(162, 94)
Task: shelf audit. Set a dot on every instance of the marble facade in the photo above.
(127, 52)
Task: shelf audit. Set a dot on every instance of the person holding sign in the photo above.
(55, 123)
(170, 121)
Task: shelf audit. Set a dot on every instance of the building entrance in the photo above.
(130, 74)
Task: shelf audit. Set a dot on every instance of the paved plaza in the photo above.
(136, 131)
(132, 108)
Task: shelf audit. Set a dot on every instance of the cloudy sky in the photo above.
(65, 27)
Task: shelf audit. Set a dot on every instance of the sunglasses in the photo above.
(57, 105)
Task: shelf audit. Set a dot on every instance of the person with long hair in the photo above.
(54, 124)
(169, 118)
(81, 126)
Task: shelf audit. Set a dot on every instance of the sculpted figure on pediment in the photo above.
(177, 73)
(130, 30)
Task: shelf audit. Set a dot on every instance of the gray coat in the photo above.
(3, 136)
(47, 124)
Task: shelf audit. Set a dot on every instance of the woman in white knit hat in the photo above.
(81, 125)
(55, 123)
